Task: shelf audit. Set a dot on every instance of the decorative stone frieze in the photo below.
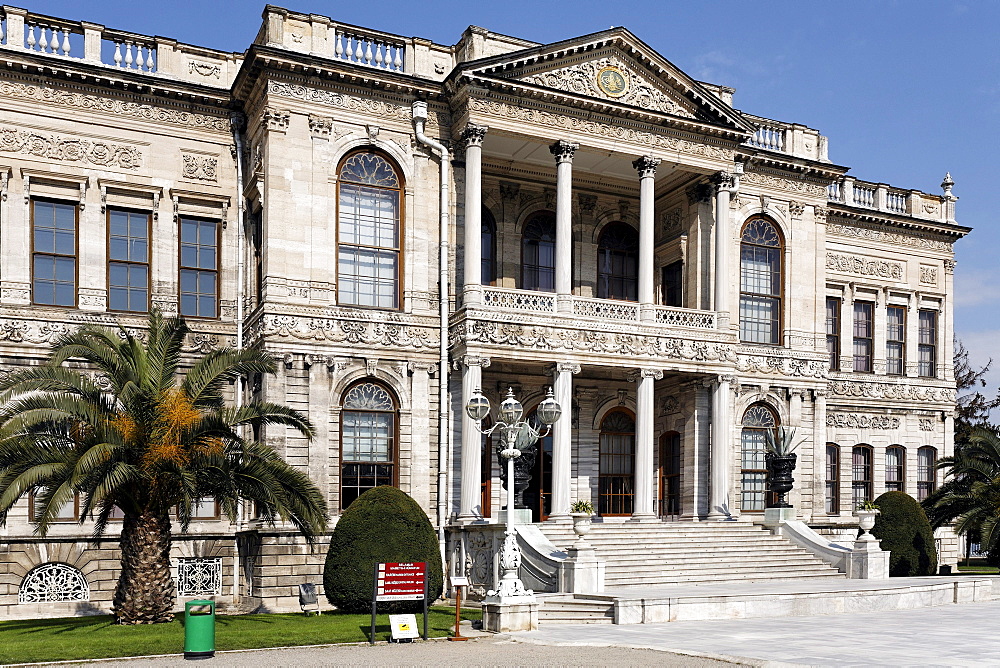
(199, 167)
(856, 421)
(582, 78)
(344, 330)
(928, 275)
(56, 96)
(69, 149)
(503, 110)
(207, 70)
(369, 106)
(926, 424)
(780, 183)
(862, 266)
(838, 229)
(782, 364)
(875, 390)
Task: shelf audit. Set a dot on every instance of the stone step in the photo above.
(612, 581)
(568, 610)
(716, 563)
(734, 546)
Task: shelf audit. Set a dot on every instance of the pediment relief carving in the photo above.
(617, 79)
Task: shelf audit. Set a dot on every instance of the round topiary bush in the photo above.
(905, 532)
(382, 525)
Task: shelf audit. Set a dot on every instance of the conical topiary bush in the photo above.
(382, 525)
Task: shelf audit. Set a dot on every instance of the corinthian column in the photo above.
(562, 439)
(718, 492)
(644, 443)
(726, 186)
(563, 152)
(646, 166)
(472, 444)
(473, 137)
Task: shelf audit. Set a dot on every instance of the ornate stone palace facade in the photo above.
(582, 215)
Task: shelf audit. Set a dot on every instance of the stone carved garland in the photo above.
(867, 390)
(582, 79)
(39, 332)
(855, 421)
(53, 96)
(346, 330)
(69, 149)
(204, 69)
(851, 264)
(369, 106)
(500, 109)
(790, 185)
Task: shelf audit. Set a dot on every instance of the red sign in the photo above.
(401, 581)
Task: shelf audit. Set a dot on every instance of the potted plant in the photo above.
(866, 512)
(581, 512)
(780, 458)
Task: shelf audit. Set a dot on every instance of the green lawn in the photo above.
(978, 568)
(97, 637)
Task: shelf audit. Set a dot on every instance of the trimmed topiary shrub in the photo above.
(382, 525)
(905, 532)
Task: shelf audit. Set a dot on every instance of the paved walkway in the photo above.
(949, 635)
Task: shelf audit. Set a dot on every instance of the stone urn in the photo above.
(581, 527)
(866, 520)
(779, 473)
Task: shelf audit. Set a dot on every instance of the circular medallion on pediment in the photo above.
(612, 81)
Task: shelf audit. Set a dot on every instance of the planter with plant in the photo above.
(581, 512)
(866, 512)
(780, 458)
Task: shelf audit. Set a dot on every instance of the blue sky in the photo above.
(904, 89)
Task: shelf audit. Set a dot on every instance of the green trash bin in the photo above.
(199, 629)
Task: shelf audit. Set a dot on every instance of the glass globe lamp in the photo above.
(478, 406)
(510, 409)
(549, 410)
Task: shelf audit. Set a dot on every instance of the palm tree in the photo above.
(149, 440)
(971, 496)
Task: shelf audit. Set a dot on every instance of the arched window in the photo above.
(757, 422)
(861, 474)
(760, 282)
(617, 464)
(52, 583)
(895, 468)
(368, 433)
(538, 252)
(926, 471)
(369, 218)
(488, 248)
(618, 262)
(832, 479)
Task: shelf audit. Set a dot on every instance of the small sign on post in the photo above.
(400, 581)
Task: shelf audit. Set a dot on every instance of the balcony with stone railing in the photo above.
(884, 198)
(93, 44)
(789, 138)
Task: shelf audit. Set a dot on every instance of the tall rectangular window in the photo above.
(895, 340)
(895, 469)
(832, 479)
(833, 331)
(927, 344)
(128, 260)
(926, 471)
(861, 474)
(673, 284)
(864, 335)
(199, 267)
(53, 262)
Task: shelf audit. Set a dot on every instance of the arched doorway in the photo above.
(538, 495)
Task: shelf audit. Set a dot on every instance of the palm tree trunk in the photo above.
(145, 591)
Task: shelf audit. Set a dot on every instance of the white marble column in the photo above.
(646, 166)
(562, 439)
(645, 415)
(472, 442)
(726, 185)
(719, 507)
(473, 137)
(563, 152)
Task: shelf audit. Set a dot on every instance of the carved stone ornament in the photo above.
(368, 105)
(276, 119)
(868, 390)
(474, 134)
(345, 328)
(587, 202)
(861, 266)
(700, 193)
(119, 107)
(563, 150)
(69, 149)
(779, 183)
(646, 166)
(893, 238)
(796, 208)
(653, 140)
(199, 167)
(610, 78)
(509, 191)
(204, 69)
(670, 222)
(926, 424)
(949, 266)
(856, 421)
(928, 275)
(320, 126)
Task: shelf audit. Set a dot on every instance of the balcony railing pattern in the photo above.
(864, 195)
(602, 309)
(881, 197)
(368, 49)
(895, 201)
(770, 137)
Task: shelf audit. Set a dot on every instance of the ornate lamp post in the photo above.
(511, 426)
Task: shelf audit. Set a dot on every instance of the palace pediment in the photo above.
(612, 67)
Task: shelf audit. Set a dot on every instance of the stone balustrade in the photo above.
(791, 138)
(610, 310)
(95, 44)
(881, 197)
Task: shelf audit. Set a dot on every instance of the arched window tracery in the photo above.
(368, 440)
(760, 282)
(758, 421)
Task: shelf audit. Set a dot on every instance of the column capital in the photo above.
(473, 134)
(699, 193)
(646, 166)
(562, 367)
(474, 360)
(635, 374)
(725, 181)
(509, 190)
(563, 150)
